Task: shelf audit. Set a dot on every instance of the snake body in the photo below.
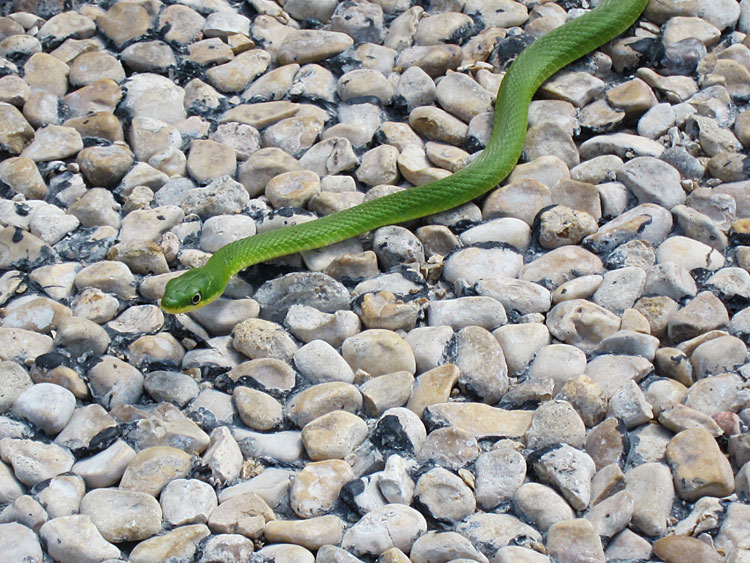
(548, 54)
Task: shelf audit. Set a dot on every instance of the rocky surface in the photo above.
(555, 372)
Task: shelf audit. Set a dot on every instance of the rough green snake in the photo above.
(199, 286)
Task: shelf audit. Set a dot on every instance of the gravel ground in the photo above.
(555, 372)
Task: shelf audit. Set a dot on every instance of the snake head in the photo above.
(192, 290)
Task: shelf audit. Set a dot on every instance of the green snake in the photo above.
(548, 54)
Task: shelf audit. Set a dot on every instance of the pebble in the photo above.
(449, 447)
(568, 539)
(652, 181)
(444, 495)
(473, 263)
(541, 505)
(122, 515)
(378, 352)
(695, 476)
(312, 533)
(684, 548)
(703, 313)
(181, 543)
(393, 525)
(34, 462)
(47, 406)
(232, 548)
(244, 514)
(76, 538)
(152, 468)
(386, 391)
(106, 467)
(650, 485)
(21, 543)
(316, 488)
(629, 404)
(435, 546)
(490, 531)
(399, 429)
(569, 470)
(187, 501)
(581, 323)
(333, 435)
(312, 45)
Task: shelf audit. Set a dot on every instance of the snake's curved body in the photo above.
(199, 286)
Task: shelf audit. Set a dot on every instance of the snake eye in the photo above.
(196, 299)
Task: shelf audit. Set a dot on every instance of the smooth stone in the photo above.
(580, 323)
(46, 405)
(333, 435)
(76, 538)
(312, 533)
(187, 501)
(568, 539)
(449, 447)
(479, 419)
(105, 468)
(706, 474)
(684, 548)
(152, 468)
(555, 422)
(443, 546)
(180, 543)
(122, 515)
(541, 505)
(20, 543)
(650, 485)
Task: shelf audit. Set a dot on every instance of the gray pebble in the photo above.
(187, 501)
(499, 474)
(76, 538)
(620, 289)
(444, 495)
(394, 525)
(541, 505)
(462, 312)
(473, 263)
(415, 88)
(490, 531)
(122, 515)
(105, 468)
(480, 358)
(580, 323)
(34, 462)
(308, 323)
(449, 447)
(555, 422)
(47, 406)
